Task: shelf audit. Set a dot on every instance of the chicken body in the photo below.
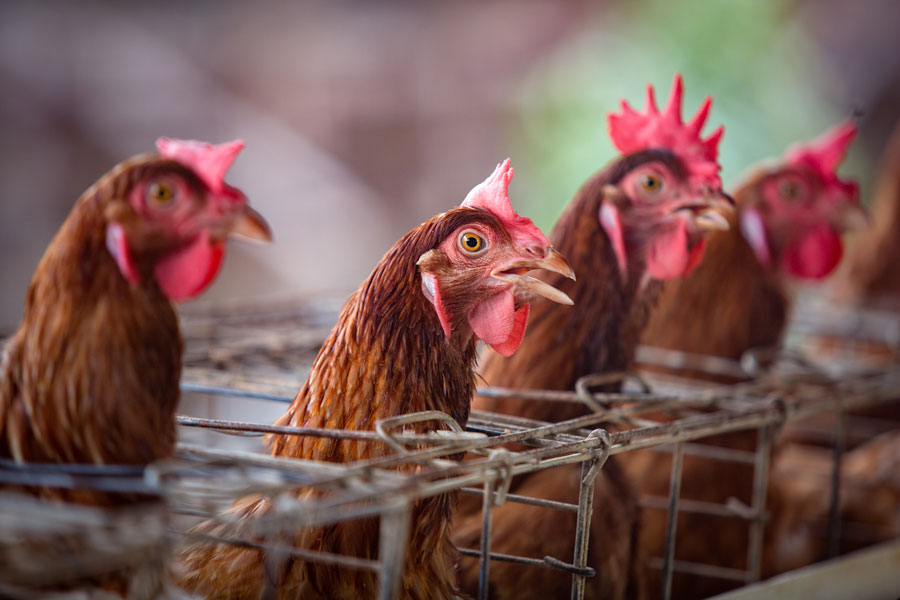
(405, 342)
(92, 374)
(84, 347)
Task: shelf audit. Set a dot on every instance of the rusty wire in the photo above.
(568, 442)
(203, 480)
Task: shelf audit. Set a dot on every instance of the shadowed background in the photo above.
(363, 119)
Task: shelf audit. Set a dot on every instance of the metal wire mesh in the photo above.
(262, 355)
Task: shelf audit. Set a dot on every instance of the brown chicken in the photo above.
(641, 219)
(788, 225)
(92, 375)
(404, 342)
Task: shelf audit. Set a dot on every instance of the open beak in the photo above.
(851, 217)
(250, 225)
(554, 261)
(711, 220)
(708, 213)
(723, 201)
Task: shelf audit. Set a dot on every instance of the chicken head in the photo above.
(666, 192)
(476, 278)
(793, 213)
(170, 221)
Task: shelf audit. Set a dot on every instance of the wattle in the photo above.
(670, 256)
(497, 322)
(815, 254)
(187, 272)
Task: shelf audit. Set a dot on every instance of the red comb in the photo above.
(825, 153)
(632, 131)
(210, 162)
(492, 195)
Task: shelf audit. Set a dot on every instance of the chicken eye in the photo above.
(160, 194)
(788, 189)
(472, 242)
(650, 183)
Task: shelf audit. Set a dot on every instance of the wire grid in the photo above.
(49, 542)
(256, 355)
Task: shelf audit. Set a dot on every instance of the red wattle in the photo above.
(514, 340)
(668, 256)
(492, 320)
(497, 322)
(816, 254)
(187, 272)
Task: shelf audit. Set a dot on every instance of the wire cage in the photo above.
(261, 355)
(54, 541)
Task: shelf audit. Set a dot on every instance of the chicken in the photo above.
(404, 342)
(640, 220)
(92, 375)
(788, 225)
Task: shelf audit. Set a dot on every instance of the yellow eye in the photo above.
(650, 183)
(471, 242)
(161, 194)
(788, 189)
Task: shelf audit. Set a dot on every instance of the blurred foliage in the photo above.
(752, 57)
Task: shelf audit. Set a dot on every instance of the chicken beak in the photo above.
(554, 262)
(250, 225)
(709, 213)
(851, 217)
(711, 220)
(723, 201)
(720, 202)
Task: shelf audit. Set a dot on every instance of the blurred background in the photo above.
(363, 119)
